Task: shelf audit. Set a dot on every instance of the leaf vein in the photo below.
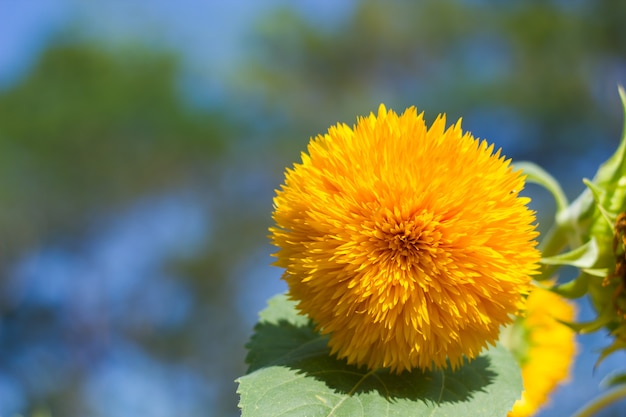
(351, 392)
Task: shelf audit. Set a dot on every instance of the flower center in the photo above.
(404, 245)
(411, 243)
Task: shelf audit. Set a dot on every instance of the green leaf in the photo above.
(613, 379)
(616, 346)
(575, 288)
(292, 374)
(598, 197)
(596, 272)
(601, 320)
(538, 175)
(584, 256)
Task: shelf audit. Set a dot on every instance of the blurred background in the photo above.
(141, 143)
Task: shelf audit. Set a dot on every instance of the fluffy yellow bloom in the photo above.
(545, 349)
(409, 246)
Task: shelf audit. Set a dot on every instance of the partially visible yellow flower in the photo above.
(545, 349)
(409, 246)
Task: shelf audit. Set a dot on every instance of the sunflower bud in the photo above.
(595, 226)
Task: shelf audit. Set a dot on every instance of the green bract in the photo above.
(585, 236)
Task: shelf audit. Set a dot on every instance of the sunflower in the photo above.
(545, 348)
(408, 246)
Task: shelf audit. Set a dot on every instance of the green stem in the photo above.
(601, 402)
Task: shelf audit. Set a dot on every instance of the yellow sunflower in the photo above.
(409, 246)
(544, 347)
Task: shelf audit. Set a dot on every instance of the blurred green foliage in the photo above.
(88, 132)
(554, 64)
(88, 129)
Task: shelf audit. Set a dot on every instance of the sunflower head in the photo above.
(545, 348)
(409, 246)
